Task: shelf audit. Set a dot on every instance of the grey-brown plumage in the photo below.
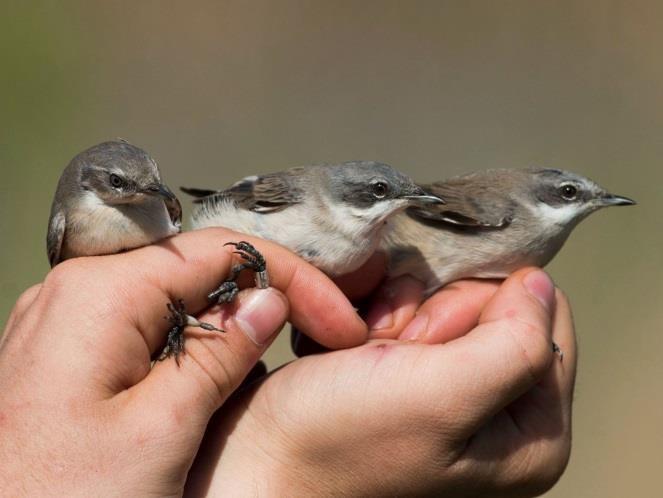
(332, 215)
(261, 194)
(110, 198)
(493, 223)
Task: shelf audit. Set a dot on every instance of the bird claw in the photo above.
(225, 293)
(253, 260)
(179, 320)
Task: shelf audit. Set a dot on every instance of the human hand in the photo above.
(482, 409)
(81, 410)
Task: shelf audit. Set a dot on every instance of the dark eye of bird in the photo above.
(568, 192)
(379, 189)
(116, 181)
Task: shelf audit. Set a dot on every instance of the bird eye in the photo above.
(116, 181)
(568, 192)
(379, 189)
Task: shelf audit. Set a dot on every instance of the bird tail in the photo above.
(198, 192)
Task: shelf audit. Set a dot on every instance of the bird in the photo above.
(494, 222)
(110, 199)
(332, 215)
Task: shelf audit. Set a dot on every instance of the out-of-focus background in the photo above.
(218, 90)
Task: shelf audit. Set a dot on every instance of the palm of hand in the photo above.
(480, 403)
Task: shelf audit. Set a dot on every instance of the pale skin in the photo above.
(479, 405)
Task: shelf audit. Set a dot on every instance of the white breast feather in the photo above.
(97, 228)
(335, 240)
(550, 215)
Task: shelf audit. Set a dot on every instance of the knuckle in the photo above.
(23, 303)
(57, 276)
(65, 274)
(25, 299)
(78, 277)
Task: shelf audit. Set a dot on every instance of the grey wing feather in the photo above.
(55, 237)
(477, 207)
(262, 194)
(199, 192)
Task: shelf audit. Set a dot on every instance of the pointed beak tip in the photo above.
(424, 199)
(618, 200)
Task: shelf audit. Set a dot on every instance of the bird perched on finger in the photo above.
(109, 199)
(332, 215)
(493, 223)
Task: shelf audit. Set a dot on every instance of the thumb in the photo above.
(498, 360)
(509, 350)
(215, 363)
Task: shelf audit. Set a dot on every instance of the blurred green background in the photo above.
(217, 90)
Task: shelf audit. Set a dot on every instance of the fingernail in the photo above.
(540, 285)
(415, 328)
(380, 317)
(261, 314)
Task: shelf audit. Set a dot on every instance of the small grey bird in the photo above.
(110, 198)
(333, 215)
(494, 222)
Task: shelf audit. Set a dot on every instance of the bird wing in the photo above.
(480, 206)
(55, 236)
(262, 194)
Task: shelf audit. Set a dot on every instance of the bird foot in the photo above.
(179, 320)
(225, 293)
(253, 260)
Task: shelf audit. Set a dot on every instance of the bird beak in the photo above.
(420, 196)
(160, 190)
(615, 200)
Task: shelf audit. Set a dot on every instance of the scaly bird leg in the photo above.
(179, 320)
(253, 260)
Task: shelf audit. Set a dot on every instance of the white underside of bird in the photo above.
(336, 240)
(98, 228)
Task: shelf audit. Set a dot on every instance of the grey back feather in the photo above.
(477, 200)
(262, 194)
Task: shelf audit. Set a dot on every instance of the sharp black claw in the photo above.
(225, 293)
(253, 260)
